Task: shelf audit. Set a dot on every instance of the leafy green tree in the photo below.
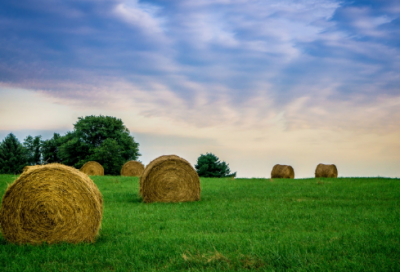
(90, 139)
(50, 148)
(105, 155)
(210, 166)
(12, 156)
(73, 151)
(32, 148)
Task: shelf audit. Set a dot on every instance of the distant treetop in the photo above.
(104, 139)
(209, 166)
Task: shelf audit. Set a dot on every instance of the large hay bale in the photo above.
(326, 171)
(52, 203)
(169, 179)
(282, 171)
(30, 167)
(132, 169)
(92, 168)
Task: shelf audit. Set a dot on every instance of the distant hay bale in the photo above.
(92, 168)
(169, 179)
(52, 203)
(132, 169)
(282, 171)
(326, 171)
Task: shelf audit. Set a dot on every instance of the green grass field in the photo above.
(339, 224)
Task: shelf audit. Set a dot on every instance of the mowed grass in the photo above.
(312, 224)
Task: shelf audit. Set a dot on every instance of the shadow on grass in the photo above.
(3, 241)
(136, 199)
(102, 239)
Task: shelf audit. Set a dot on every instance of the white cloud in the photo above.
(365, 22)
(253, 26)
(360, 138)
(141, 16)
(256, 82)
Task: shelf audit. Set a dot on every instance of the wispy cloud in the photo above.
(235, 69)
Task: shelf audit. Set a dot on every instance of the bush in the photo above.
(209, 166)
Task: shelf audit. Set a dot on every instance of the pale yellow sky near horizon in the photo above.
(250, 149)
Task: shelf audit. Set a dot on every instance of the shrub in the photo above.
(209, 166)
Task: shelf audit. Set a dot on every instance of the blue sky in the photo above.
(255, 82)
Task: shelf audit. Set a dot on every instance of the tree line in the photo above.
(104, 139)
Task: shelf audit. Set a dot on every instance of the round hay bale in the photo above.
(30, 167)
(326, 171)
(92, 168)
(52, 203)
(132, 169)
(282, 171)
(169, 179)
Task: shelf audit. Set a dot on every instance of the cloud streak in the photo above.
(194, 68)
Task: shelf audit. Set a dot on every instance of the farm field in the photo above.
(311, 224)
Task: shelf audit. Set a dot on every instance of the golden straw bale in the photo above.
(282, 171)
(132, 169)
(92, 168)
(52, 203)
(30, 167)
(326, 171)
(169, 178)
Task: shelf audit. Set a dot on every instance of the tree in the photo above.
(105, 155)
(90, 139)
(32, 148)
(12, 156)
(50, 148)
(209, 166)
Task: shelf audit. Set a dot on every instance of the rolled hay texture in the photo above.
(132, 169)
(169, 178)
(282, 171)
(326, 171)
(30, 167)
(52, 203)
(92, 168)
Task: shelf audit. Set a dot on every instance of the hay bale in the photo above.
(30, 167)
(132, 169)
(92, 168)
(169, 179)
(326, 171)
(52, 203)
(282, 171)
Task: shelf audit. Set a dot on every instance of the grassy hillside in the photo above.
(243, 224)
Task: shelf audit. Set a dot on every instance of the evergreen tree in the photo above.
(32, 149)
(209, 166)
(12, 156)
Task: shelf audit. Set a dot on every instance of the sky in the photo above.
(257, 83)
